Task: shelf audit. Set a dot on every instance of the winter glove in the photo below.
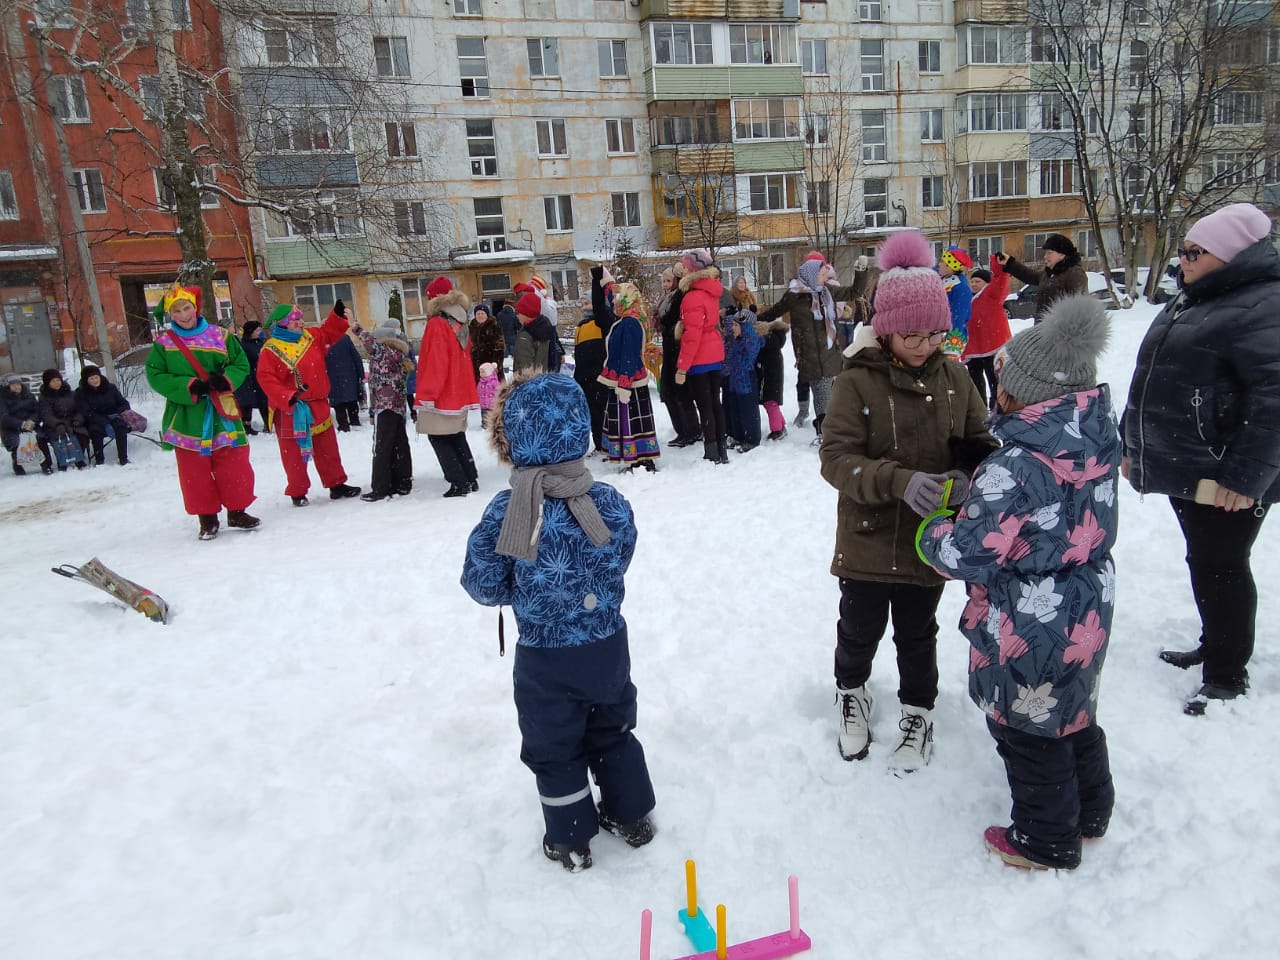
(198, 387)
(924, 492)
(218, 381)
(860, 265)
(959, 488)
(340, 309)
(681, 377)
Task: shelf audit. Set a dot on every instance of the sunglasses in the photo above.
(913, 341)
(1191, 255)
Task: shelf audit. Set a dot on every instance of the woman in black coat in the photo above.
(100, 404)
(249, 395)
(1062, 274)
(59, 414)
(20, 411)
(346, 382)
(680, 406)
(1203, 428)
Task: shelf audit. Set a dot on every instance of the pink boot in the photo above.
(997, 839)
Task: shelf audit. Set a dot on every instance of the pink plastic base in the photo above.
(766, 948)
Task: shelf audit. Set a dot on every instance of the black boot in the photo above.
(340, 491)
(208, 526)
(723, 452)
(1183, 659)
(572, 858)
(711, 451)
(458, 490)
(241, 520)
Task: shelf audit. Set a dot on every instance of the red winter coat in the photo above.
(701, 342)
(276, 376)
(988, 323)
(446, 378)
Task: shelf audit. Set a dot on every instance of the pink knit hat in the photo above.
(909, 295)
(1229, 231)
(696, 260)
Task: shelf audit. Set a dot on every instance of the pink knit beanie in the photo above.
(696, 260)
(909, 295)
(1229, 231)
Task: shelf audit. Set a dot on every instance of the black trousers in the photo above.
(983, 372)
(1061, 789)
(454, 454)
(742, 417)
(98, 440)
(346, 415)
(392, 459)
(704, 389)
(597, 399)
(1218, 548)
(865, 606)
(684, 417)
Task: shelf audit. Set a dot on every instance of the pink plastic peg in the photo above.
(793, 899)
(646, 932)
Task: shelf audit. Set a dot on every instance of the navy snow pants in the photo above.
(577, 708)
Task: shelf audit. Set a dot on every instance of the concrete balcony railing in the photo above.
(719, 9)
(991, 11)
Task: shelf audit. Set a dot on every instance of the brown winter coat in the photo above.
(882, 425)
(814, 359)
(487, 346)
(1051, 283)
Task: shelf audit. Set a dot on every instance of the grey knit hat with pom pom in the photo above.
(1059, 355)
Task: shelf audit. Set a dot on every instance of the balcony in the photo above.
(768, 155)
(302, 257)
(991, 11)
(719, 9)
(979, 213)
(694, 159)
(721, 81)
(490, 252)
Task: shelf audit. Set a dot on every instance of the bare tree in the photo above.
(833, 162)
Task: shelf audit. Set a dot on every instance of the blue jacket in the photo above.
(740, 352)
(960, 300)
(346, 371)
(1033, 539)
(571, 594)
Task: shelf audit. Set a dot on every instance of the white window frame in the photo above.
(467, 8)
(933, 192)
(870, 11)
(817, 129)
(786, 187)
(995, 112)
(762, 44)
(89, 189)
(402, 139)
(1238, 108)
(875, 146)
(875, 206)
(982, 42)
(313, 298)
(981, 248)
(482, 147)
(1087, 244)
(625, 209)
(301, 43)
(1054, 112)
(550, 135)
(410, 218)
(70, 99)
(286, 126)
(1033, 247)
(619, 136)
(544, 57)
(766, 118)
(871, 64)
(611, 58)
(929, 56)
(487, 228)
(1057, 178)
(1008, 173)
(682, 44)
(931, 126)
(564, 285)
(474, 85)
(817, 197)
(391, 56)
(8, 198)
(557, 212)
(813, 57)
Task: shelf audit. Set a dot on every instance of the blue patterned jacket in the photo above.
(740, 352)
(571, 594)
(1033, 539)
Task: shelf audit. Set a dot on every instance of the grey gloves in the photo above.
(959, 489)
(924, 490)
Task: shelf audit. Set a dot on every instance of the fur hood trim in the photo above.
(863, 338)
(455, 305)
(395, 343)
(706, 273)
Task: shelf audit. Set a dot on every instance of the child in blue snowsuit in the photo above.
(741, 389)
(555, 548)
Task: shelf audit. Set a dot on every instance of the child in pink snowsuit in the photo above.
(487, 388)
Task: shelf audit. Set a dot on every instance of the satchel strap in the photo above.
(188, 355)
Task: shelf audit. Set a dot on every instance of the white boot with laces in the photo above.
(855, 722)
(916, 746)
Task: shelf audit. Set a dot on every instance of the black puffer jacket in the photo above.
(59, 412)
(97, 407)
(1205, 397)
(15, 410)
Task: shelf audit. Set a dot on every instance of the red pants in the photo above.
(210, 483)
(324, 452)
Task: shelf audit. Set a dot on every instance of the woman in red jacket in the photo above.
(988, 328)
(292, 373)
(702, 348)
(446, 385)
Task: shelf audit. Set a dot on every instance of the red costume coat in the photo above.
(988, 323)
(277, 379)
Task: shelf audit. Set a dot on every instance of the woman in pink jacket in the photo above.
(702, 348)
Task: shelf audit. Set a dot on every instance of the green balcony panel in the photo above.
(301, 258)
(771, 156)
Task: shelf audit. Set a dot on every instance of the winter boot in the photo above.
(300, 501)
(341, 491)
(458, 490)
(855, 722)
(637, 833)
(574, 859)
(1183, 659)
(404, 488)
(803, 416)
(241, 520)
(374, 497)
(997, 839)
(1196, 706)
(208, 526)
(777, 434)
(916, 746)
(711, 451)
(722, 453)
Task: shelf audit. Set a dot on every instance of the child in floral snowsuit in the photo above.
(1033, 539)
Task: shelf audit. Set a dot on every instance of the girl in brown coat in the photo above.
(901, 418)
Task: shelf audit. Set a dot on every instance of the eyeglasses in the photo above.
(1191, 255)
(913, 341)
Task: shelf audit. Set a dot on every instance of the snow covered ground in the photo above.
(318, 757)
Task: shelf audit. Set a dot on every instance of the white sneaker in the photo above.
(916, 746)
(855, 722)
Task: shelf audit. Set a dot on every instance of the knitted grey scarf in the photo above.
(522, 526)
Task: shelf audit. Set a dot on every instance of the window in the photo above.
(139, 13)
(772, 192)
(1054, 113)
(774, 118)
(873, 136)
(771, 270)
(166, 199)
(683, 199)
(488, 213)
(1057, 177)
(930, 56)
(1238, 108)
(333, 215)
(69, 99)
(149, 88)
(1273, 45)
(762, 43)
(995, 45)
(685, 122)
(681, 44)
(875, 202)
(620, 136)
(88, 187)
(997, 178)
(997, 111)
(308, 131)
(1087, 244)
(411, 218)
(932, 193)
(544, 56)
(473, 68)
(551, 139)
(316, 300)
(1033, 247)
(626, 209)
(931, 126)
(613, 58)
(466, 8)
(1095, 120)
(731, 268)
(1044, 46)
(981, 248)
(872, 64)
(558, 211)
(302, 42)
(402, 140)
(8, 199)
(1137, 63)
(1230, 169)
(482, 148)
(391, 56)
(495, 284)
(870, 10)
(564, 284)
(817, 129)
(818, 197)
(813, 56)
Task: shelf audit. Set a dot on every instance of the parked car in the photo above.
(1021, 304)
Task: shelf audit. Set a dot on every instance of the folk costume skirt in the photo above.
(630, 434)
